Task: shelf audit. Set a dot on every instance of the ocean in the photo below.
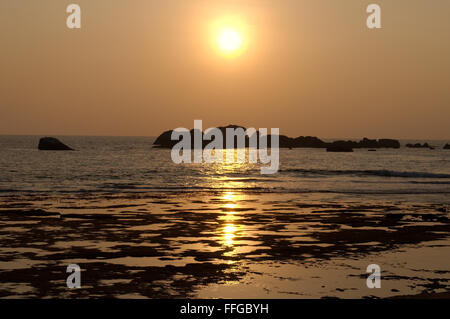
(131, 165)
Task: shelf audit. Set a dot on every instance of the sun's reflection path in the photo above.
(229, 233)
(230, 229)
(228, 196)
(228, 175)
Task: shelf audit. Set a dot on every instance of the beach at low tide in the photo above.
(222, 244)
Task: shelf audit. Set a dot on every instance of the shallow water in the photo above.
(129, 164)
(221, 244)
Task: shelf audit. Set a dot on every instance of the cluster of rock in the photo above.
(348, 146)
(418, 145)
(165, 141)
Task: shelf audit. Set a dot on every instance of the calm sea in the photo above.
(130, 164)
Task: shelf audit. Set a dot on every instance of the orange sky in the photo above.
(309, 67)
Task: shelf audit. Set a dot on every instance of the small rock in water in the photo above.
(52, 144)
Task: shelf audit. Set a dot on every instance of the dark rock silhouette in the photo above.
(283, 140)
(309, 141)
(367, 143)
(388, 143)
(339, 149)
(223, 129)
(298, 142)
(418, 145)
(447, 147)
(341, 146)
(165, 141)
(52, 144)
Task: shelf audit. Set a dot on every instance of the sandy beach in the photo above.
(221, 245)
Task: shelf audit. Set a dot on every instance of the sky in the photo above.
(308, 67)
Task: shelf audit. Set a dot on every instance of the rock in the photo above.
(223, 129)
(373, 144)
(52, 144)
(308, 141)
(283, 141)
(164, 140)
(342, 146)
(286, 142)
(388, 143)
(367, 143)
(418, 145)
(339, 149)
(370, 144)
(447, 147)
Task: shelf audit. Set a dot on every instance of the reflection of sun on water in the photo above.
(230, 175)
(229, 231)
(229, 196)
(230, 206)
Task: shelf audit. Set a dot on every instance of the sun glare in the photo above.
(230, 40)
(230, 35)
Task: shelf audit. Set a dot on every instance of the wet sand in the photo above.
(222, 245)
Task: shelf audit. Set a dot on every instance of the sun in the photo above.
(229, 35)
(229, 40)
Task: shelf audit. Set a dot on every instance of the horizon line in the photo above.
(155, 136)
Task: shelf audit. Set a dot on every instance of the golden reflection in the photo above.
(230, 206)
(229, 217)
(229, 231)
(228, 174)
(229, 196)
(232, 198)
